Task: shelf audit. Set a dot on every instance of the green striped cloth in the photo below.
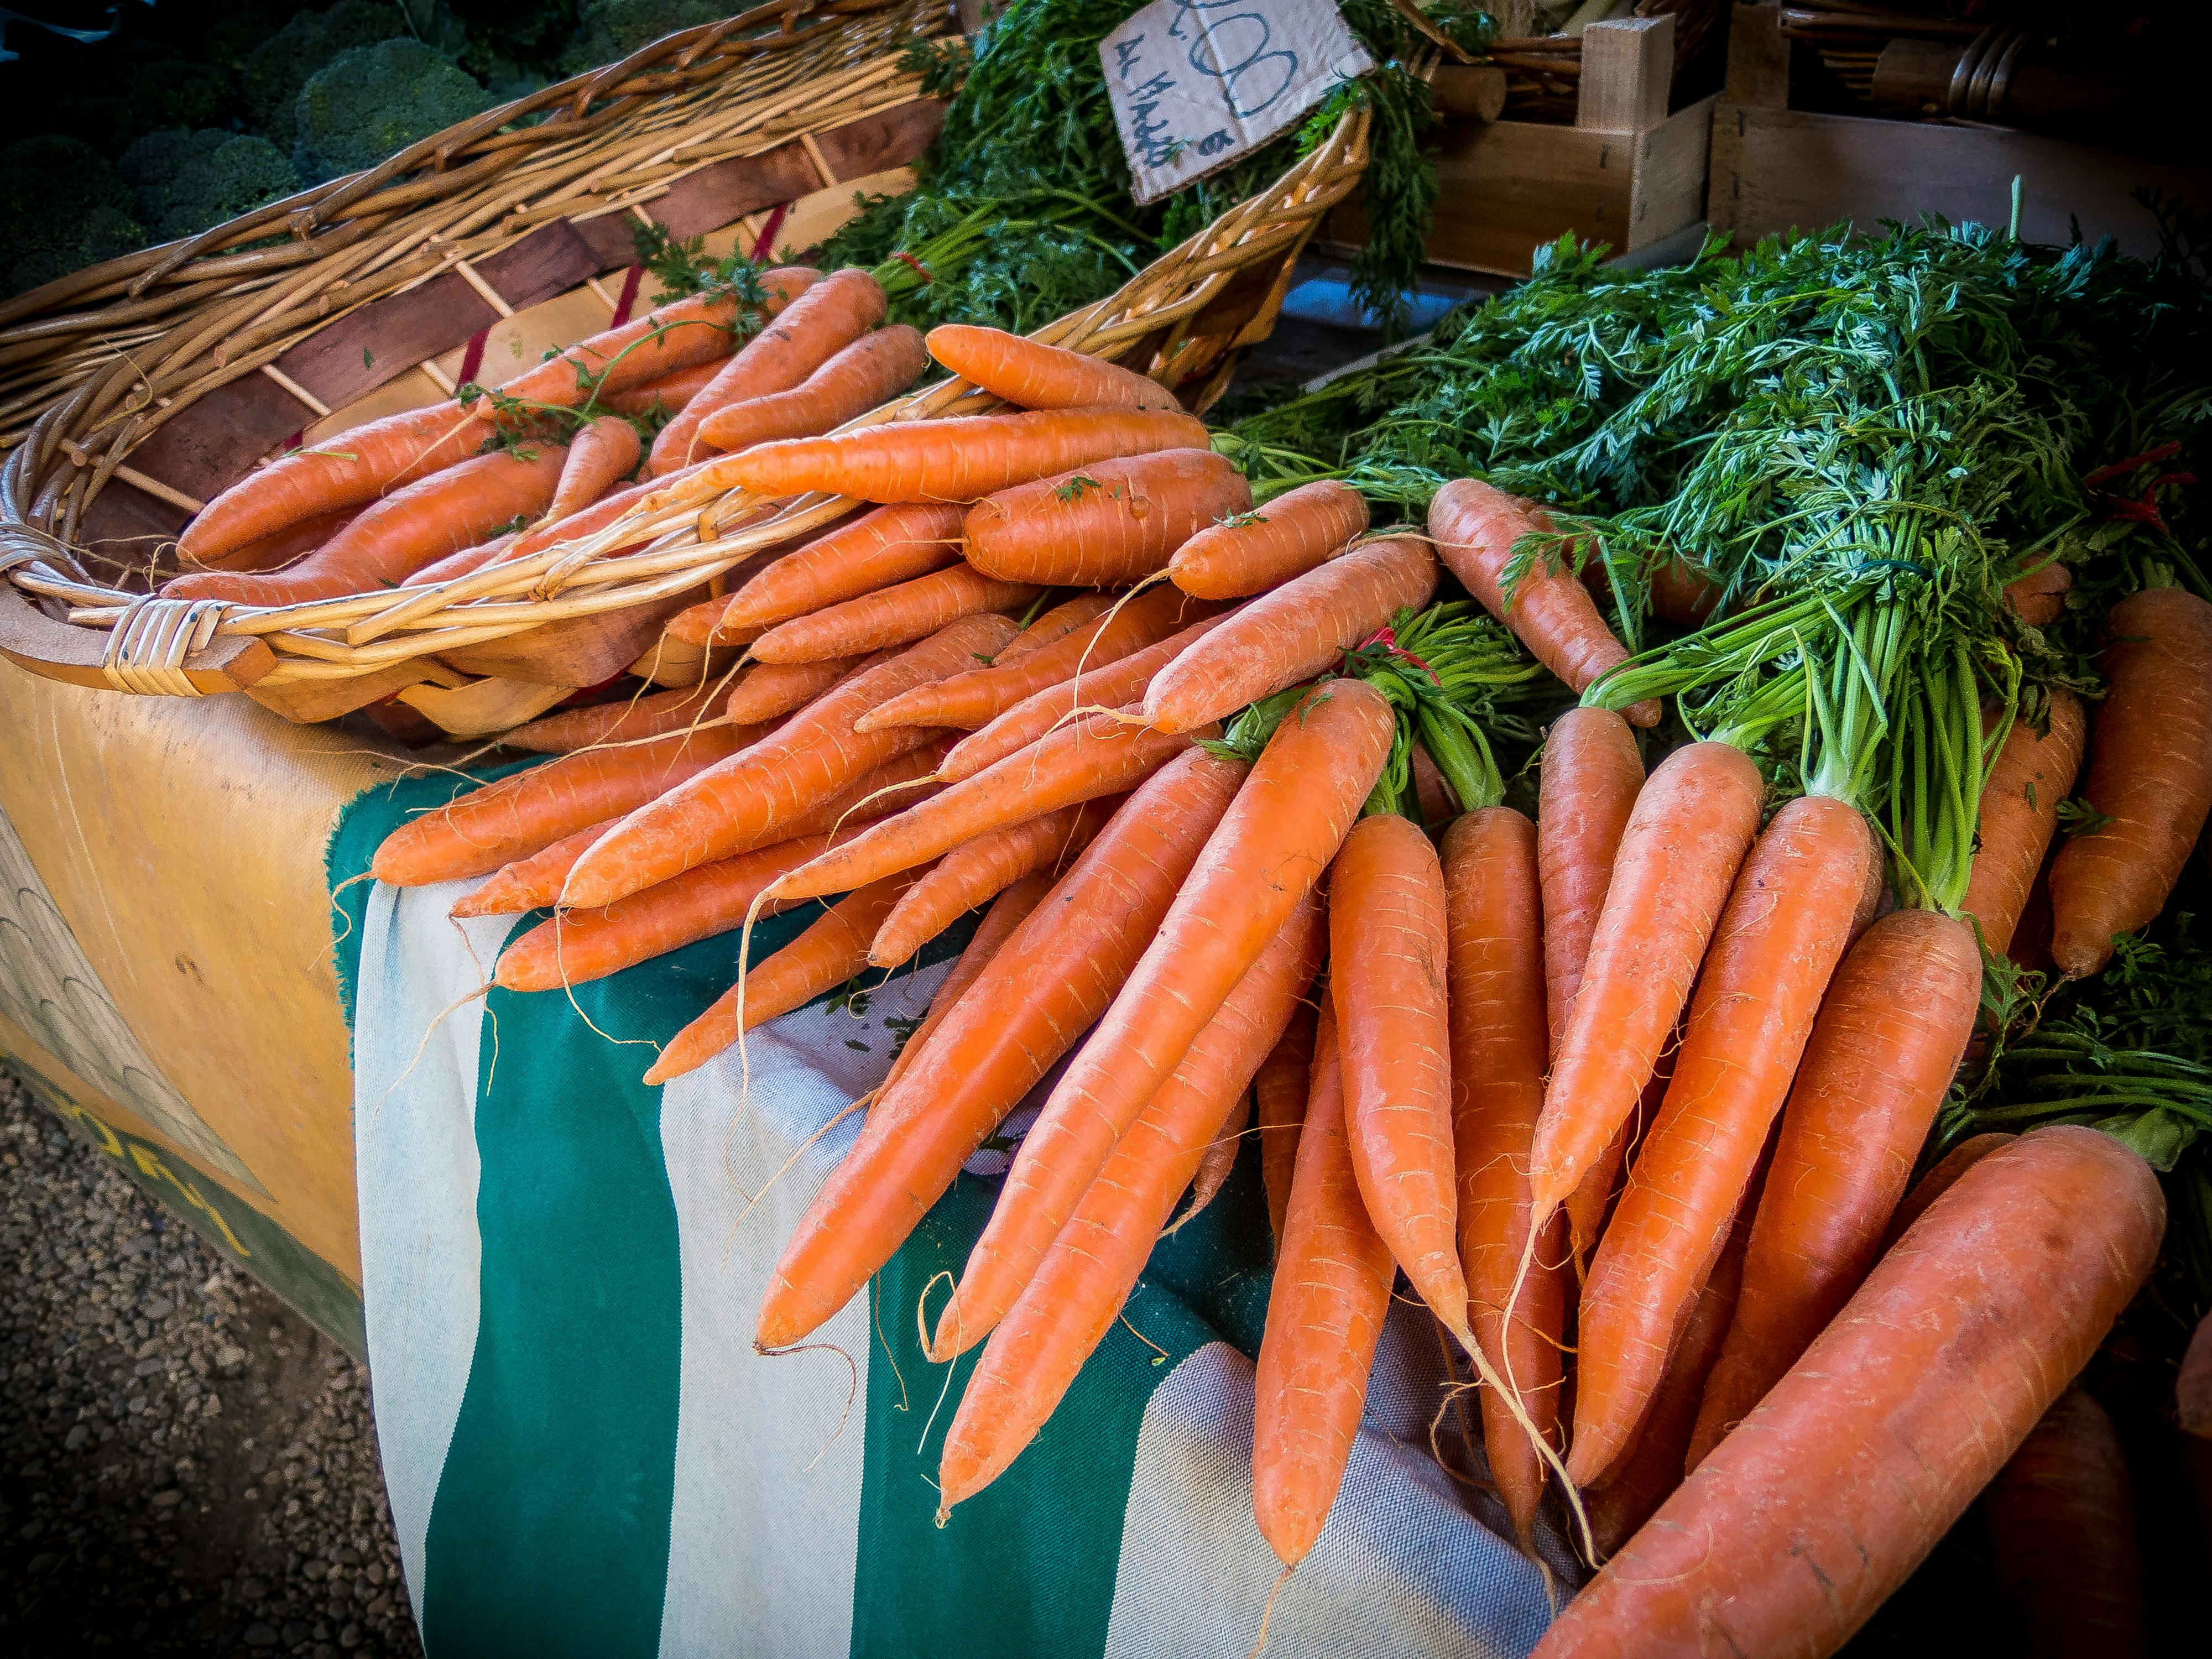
(585, 1455)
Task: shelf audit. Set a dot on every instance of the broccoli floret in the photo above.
(184, 182)
(283, 65)
(62, 208)
(613, 29)
(364, 104)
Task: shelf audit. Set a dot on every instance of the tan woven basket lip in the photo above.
(340, 639)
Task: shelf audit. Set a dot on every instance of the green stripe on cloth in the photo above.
(919, 1589)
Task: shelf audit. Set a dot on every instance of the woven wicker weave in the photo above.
(114, 361)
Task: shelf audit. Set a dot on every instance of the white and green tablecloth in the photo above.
(585, 1456)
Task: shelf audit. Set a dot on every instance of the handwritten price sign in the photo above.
(1198, 83)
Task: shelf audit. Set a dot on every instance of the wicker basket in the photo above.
(134, 391)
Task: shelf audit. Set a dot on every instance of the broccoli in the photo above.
(365, 103)
(610, 30)
(106, 105)
(283, 64)
(61, 208)
(184, 182)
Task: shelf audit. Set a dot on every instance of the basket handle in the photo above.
(81, 656)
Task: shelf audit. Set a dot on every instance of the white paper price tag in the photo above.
(1198, 83)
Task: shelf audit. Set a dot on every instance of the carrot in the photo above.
(825, 956)
(1008, 912)
(1940, 1180)
(768, 688)
(456, 508)
(602, 454)
(2150, 776)
(894, 616)
(1586, 791)
(692, 330)
(871, 370)
(1217, 1162)
(596, 517)
(1280, 1097)
(830, 315)
(1292, 634)
(1643, 1479)
(278, 549)
(1474, 527)
(1325, 1312)
(890, 545)
(1053, 977)
(807, 761)
(1784, 930)
(977, 697)
(1254, 551)
(1498, 1053)
(1102, 755)
(2062, 1517)
(529, 882)
(1691, 826)
(1056, 624)
(459, 564)
(1790, 1535)
(1433, 800)
(520, 814)
(671, 393)
(624, 721)
(1288, 822)
(1387, 952)
(1593, 1197)
(2033, 775)
(977, 871)
(1888, 1038)
(348, 469)
(1029, 721)
(1679, 595)
(961, 460)
(1104, 523)
(1087, 1275)
(1031, 375)
(2038, 599)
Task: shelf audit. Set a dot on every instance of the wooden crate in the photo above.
(1626, 173)
(1776, 168)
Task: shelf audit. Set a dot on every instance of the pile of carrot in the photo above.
(1633, 1090)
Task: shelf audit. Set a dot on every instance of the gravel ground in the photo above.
(186, 1466)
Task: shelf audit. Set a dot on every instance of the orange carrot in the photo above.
(1889, 1036)
(812, 329)
(1029, 721)
(692, 330)
(808, 760)
(600, 456)
(1288, 822)
(1498, 1057)
(1680, 595)
(871, 370)
(1434, 804)
(817, 961)
(1102, 755)
(1254, 551)
(1087, 1275)
(1055, 625)
(671, 393)
(2062, 1516)
(893, 615)
(279, 548)
(1292, 634)
(1217, 1162)
(890, 545)
(1692, 825)
(529, 882)
(449, 510)
(595, 518)
(980, 695)
(1940, 1180)
(1475, 526)
(961, 460)
(1593, 1197)
(1032, 375)
(976, 872)
(768, 688)
(460, 563)
(624, 720)
(2033, 774)
(1325, 1312)
(348, 469)
(1387, 983)
(1778, 942)
(1279, 1107)
(520, 814)
(2038, 599)
(1790, 1534)
(1008, 912)
(1104, 523)
(2150, 776)
(1048, 982)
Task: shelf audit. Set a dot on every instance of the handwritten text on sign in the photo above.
(1198, 83)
